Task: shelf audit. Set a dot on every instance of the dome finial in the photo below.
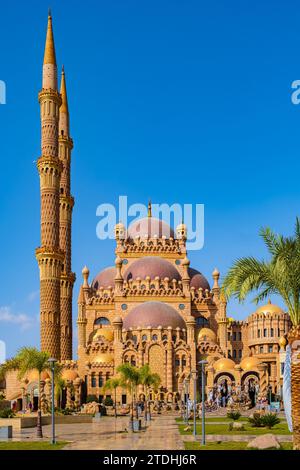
(149, 208)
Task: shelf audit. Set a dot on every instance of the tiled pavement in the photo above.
(110, 434)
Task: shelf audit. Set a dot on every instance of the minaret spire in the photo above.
(149, 209)
(64, 109)
(66, 203)
(49, 65)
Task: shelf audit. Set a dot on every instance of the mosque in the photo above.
(149, 307)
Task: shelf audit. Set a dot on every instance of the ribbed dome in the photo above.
(33, 376)
(105, 278)
(69, 374)
(106, 333)
(249, 363)
(153, 314)
(151, 227)
(269, 308)
(198, 280)
(206, 334)
(151, 266)
(104, 358)
(223, 364)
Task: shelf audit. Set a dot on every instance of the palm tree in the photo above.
(130, 378)
(280, 275)
(26, 360)
(149, 380)
(113, 384)
(60, 386)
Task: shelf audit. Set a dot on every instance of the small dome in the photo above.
(106, 333)
(249, 363)
(151, 227)
(198, 280)
(269, 308)
(151, 266)
(153, 314)
(206, 334)
(283, 342)
(105, 278)
(33, 376)
(104, 358)
(69, 374)
(224, 364)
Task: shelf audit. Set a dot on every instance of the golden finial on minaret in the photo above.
(149, 209)
(49, 56)
(63, 91)
(64, 108)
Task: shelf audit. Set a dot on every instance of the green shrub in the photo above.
(270, 420)
(108, 401)
(7, 413)
(66, 411)
(256, 421)
(235, 415)
(91, 398)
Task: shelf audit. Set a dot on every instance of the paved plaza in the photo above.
(111, 434)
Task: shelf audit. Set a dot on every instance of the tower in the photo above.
(49, 256)
(66, 203)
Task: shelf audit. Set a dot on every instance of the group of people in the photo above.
(226, 394)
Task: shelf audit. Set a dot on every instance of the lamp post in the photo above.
(52, 362)
(194, 376)
(185, 399)
(203, 364)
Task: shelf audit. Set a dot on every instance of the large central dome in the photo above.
(149, 227)
(153, 314)
(151, 266)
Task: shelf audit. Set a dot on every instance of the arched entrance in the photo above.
(250, 386)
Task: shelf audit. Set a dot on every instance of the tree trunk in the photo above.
(132, 404)
(115, 402)
(294, 341)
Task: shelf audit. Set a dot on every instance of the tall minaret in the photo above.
(66, 203)
(49, 256)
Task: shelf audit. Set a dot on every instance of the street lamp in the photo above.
(185, 399)
(194, 376)
(187, 389)
(203, 364)
(52, 362)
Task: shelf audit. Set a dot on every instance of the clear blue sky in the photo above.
(180, 101)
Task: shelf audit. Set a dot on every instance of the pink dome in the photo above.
(105, 278)
(150, 226)
(198, 280)
(153, 314)
(151, 266)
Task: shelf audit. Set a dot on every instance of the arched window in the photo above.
(93, 381)
(202, 322)
(144, 338)
(134, 339)
(154, 337)
(100, 381)
(102, 321)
